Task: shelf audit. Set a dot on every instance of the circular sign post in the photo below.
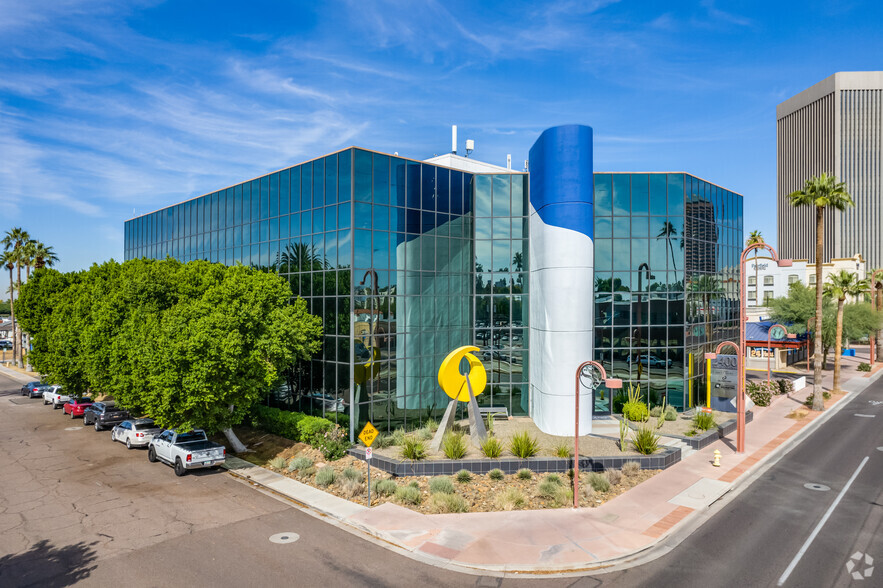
(777, 332)
(612, 384)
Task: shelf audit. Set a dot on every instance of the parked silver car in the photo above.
(135, 432)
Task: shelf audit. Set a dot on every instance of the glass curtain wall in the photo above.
(501, 292)
(649, 258)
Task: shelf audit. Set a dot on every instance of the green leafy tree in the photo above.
(840, 286)
(822, 192)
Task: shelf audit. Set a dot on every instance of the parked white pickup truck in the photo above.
(186, 451)
(55, 396)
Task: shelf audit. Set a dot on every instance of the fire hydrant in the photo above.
(717, 458)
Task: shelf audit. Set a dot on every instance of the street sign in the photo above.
(368, 434)
(369, 453)
(777, 332)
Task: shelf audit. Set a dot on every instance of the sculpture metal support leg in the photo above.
(444, 426)
(477, 430)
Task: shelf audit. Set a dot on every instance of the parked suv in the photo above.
(104, 414)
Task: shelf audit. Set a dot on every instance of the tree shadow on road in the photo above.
(46, 565)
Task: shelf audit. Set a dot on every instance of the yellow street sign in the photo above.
(368, 434)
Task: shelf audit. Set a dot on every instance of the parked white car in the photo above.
(135, 432)
(55, 396)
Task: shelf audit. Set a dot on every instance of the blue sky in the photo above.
(109, 106)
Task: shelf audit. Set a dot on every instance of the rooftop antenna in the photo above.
(508, 161)
(526, 167)
(454, 139)
(470, 146)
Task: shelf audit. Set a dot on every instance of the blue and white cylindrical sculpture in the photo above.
(561, 274)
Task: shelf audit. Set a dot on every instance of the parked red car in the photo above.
(77, 406)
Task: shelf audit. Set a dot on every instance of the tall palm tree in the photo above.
(668, 233)
(822, 191)
(13, 242)
(753, 239)
(44, 255)
(840, 286)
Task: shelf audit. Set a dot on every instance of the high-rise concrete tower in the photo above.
(836, 127)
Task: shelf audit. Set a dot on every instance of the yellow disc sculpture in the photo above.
(453, 382)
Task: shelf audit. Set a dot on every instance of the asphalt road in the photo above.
(78, 509)
(754, 539)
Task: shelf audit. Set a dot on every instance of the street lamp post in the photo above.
(740, 390)
(769, 337)
(875, 303)
(612, 384)
(743, 313)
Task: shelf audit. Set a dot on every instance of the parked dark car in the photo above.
(34, 389)
(104, 414)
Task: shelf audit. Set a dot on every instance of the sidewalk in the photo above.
(562, 540)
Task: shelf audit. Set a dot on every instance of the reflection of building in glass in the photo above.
(406, 260)
(699, 226)
(666, 245)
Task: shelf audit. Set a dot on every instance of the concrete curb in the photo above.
(657, 548)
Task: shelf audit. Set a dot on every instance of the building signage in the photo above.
(759, 266)
(760, 352)
(724, 376)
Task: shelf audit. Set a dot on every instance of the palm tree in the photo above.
(708, 286)
(876, 291)
(822, 191)
(13, 242)
(44, 255)
(839, 286)
(753, 239)
(668, 233)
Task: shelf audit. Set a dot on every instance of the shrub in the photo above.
(299, 463)
(495, 474)
(441, 484)
(624, 431)
(326, 476)
(598, 482)
(276, 421)
(614, 476)
(333, 443)
(524, 474)
(656, 411)
(618, 401)
(307, 472)
(351, 488)
(523, 445)
(383, 441)
(787, 386)
(424, 434)
(630, 468)
(398, 436)
(645, 441)
(671, 413)
(554, 478)
(413, 448)
(447, 503)
(278, 463)
(862, 367)
(311, 429)
(408, 495)
(385, 487)
(548, 488)
(491, 447)
(509, 499)
(454, 445)
(635, 411)
(352, 474)
(463, 476)
(759, 394)
(563, 450)
(563, 496)
(431, 425)
(825, 395)
(414, 484)
(704, 421)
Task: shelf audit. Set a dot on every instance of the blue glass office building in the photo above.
(405, 260)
